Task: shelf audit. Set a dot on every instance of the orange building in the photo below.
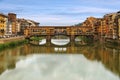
(110, 25)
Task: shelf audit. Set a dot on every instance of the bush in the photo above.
(86, 39)
(36, 38)
(12, 44)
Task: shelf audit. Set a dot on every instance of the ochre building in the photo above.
(3, 24)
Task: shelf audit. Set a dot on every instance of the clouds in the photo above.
(57, 20)
(59, 11)
(6, 8)
(83, 10)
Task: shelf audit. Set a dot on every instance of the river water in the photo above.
(70, 62)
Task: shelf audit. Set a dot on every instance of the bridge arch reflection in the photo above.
(60, 40)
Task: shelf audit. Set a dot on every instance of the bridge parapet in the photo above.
(58, 30)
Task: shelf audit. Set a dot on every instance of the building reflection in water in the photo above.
(109, 57)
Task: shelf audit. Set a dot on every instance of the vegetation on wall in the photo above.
(36, 38)
(85, 39)
(79, 24)
(12, 44)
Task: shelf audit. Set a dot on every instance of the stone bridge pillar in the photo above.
(48, 39)
(72, 38)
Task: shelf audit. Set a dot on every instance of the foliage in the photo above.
(12, 44)
(79, 24)
(36, 38)
(86, 39)
(60, 37)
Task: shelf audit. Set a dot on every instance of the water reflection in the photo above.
(42, 42)
(54, 67)
(57, 49)
(82, 62)
(60, 42)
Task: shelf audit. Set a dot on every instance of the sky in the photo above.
(59, 12)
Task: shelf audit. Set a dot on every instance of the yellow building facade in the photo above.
(3, 24)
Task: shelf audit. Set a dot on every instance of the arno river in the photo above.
(70, 62)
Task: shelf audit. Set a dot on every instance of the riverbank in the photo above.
(11, 39)
(113, 41)
(12, 42)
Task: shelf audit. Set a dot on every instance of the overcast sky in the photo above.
(59, 12)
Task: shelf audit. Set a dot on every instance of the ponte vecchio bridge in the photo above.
(50, 31)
